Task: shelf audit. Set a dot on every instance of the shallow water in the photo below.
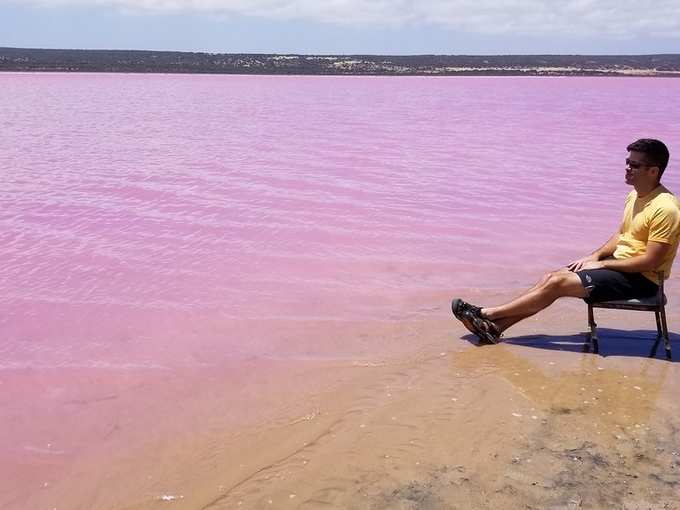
(135, 205)
(161, 232)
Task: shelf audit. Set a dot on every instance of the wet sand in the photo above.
(441, 423)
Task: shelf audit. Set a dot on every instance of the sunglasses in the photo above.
(634, 165)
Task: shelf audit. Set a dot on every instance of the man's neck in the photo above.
(645, 189)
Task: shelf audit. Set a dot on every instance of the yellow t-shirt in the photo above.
(654, 217)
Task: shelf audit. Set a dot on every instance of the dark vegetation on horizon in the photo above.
(129, 61)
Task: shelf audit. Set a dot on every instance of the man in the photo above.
(625, 267)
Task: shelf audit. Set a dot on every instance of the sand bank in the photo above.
(532, 423)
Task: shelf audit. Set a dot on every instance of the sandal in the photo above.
(460, 309)
(485, 329)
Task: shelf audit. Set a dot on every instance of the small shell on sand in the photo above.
(169, 497)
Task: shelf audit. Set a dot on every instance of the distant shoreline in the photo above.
(140, 61)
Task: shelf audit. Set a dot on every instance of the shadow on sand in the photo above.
(612, 342)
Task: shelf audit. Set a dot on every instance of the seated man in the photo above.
(625, 267)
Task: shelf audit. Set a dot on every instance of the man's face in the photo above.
(638, 171)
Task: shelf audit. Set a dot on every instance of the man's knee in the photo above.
(551, 278)
(564, 283)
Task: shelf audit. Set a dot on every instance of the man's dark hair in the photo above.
(655, 151)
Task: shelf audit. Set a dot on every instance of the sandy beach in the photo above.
(530, 423)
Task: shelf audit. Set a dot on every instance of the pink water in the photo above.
(171, 222)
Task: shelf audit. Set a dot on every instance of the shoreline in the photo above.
(175, 62)
(463, 74)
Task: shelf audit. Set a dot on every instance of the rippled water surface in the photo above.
(142, 215)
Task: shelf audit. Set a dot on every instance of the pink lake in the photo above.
(168, 224)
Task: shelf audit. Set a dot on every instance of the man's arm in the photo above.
(604, 251)
(663, 230)
(649, 261)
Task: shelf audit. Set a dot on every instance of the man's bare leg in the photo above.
(505, 323)
(552, 286)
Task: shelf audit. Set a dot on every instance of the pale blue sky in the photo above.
(346, 26)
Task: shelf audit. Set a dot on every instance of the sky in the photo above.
(388, 27)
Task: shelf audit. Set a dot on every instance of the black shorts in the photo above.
(609, 285)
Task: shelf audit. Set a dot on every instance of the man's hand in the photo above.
(593, 264)
(579, 264)
(603, 252)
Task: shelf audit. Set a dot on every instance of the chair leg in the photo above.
(655, 347)
(659, 334)
(664, 330)
(592, 337)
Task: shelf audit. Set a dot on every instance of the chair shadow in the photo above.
(612, 342)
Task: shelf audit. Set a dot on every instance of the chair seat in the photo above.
(636, 303)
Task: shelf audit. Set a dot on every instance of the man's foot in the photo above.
(485, 329)
(460, 308)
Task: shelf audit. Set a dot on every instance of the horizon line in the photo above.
(354, 54)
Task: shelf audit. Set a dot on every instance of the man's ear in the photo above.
(654, 171)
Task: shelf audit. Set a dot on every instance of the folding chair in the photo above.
(656, 304)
